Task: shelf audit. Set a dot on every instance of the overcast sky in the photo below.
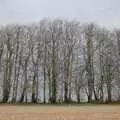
(103, 12)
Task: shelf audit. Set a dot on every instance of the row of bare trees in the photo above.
(59, 61)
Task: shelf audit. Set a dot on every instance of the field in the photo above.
(38, 112)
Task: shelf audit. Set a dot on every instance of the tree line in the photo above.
(56, 61)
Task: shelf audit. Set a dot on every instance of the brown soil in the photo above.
(100, 112)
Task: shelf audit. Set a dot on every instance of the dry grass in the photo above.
(100, 112)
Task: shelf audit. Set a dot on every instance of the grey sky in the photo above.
(103, 12)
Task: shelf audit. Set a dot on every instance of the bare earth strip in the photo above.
(99, 112)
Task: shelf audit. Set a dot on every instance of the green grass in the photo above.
(63, 104)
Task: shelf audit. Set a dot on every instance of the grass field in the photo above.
(38, 112)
